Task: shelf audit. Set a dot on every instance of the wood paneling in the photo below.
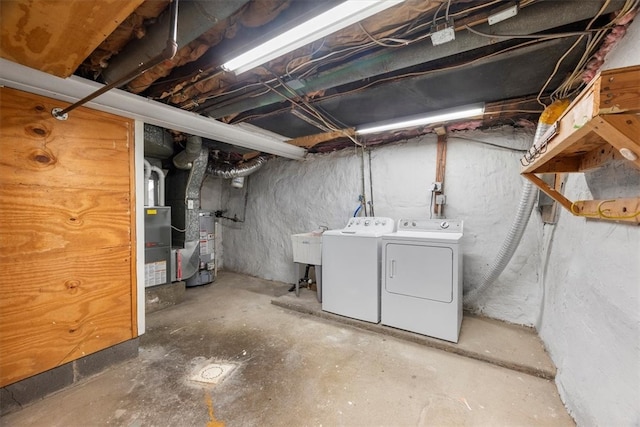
(56, 36)
(66, 234)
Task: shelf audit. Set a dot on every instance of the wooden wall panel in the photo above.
(67, 251)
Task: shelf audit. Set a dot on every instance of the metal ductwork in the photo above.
(184, 198)
(184, 160)
(195, 18)
(228, 171)
(158, 142)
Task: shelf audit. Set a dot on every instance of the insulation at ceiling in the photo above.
(56, 36)
(133, 27)
(377, 26)
(254, 14)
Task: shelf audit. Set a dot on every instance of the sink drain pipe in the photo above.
(523, 213)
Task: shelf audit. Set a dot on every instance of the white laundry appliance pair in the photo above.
(410, 279)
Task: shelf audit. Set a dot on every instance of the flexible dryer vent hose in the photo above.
(523, 213)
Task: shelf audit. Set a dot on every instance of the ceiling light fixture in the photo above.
(337, 18)
(463, 112)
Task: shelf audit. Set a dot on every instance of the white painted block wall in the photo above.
(591, 318)
(585, 271)
(482, 185)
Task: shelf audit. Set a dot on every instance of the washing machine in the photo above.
(422, 278)
(351, 267)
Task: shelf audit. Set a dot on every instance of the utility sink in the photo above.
(307, 248)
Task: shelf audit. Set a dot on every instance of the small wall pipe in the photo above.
(184, 160)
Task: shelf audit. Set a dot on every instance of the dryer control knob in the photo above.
(367, 222)
(406, 223)
(444, 224)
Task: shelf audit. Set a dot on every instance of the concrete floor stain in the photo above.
(213, 422)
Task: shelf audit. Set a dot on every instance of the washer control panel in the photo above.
(370, 223)
(441, 225)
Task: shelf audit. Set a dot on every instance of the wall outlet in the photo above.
(189, 204)
(436, 186)
(441, 199)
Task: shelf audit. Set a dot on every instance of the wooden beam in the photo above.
(621, 131)
(56, 36)
(598, 156)
(562, 164)
(441, 163)
(551, 192)
(619, 91)
(313, 140)
(627, 210)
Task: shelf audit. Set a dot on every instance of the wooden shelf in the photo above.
(603, 120)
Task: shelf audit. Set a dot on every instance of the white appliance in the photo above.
(422, 278)
(351, 262)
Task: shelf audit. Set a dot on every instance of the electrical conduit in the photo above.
(523, 213)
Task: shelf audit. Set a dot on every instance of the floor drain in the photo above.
(213, 373)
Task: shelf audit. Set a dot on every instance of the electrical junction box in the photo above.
(443, 33)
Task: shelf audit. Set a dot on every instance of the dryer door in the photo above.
(419, 271)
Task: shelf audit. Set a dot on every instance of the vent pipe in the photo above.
(184, 160)
(228, 171)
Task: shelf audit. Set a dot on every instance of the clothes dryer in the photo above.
(351, 265)
(422, 278)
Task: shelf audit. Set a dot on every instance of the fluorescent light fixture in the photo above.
(436, 117)
(337, 18)
(126, 104)
(505, 12)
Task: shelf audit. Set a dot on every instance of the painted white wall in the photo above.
(591, 318)
(482, 185)
(587, 272)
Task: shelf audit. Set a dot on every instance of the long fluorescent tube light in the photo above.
(337, 18)
(437, 117)
(126, 104)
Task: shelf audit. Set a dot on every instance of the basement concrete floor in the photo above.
(296, 369)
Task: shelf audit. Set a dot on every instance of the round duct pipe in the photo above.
(228, 171)
(184, 159)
